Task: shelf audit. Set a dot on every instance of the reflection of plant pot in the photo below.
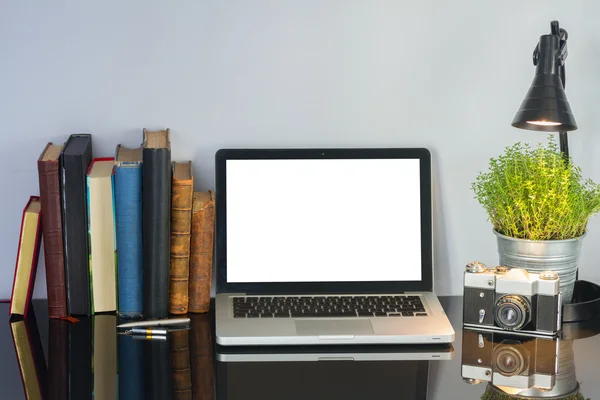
(561, 256)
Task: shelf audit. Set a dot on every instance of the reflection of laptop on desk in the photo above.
(402, 352)
(331, 379)
(325, 247)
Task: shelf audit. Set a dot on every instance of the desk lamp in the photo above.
(545, 107)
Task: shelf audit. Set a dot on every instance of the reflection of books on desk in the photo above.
(80, 359)
(180, 364)
(58, 359)
(156, 357)
(201, 358)
(130, 359)
(30, 356)
(105, 357)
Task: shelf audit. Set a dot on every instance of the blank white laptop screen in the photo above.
(323, 220)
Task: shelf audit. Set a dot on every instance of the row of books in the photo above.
(126, 234)
(87, 360)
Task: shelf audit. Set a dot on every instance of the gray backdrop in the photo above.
(447, 75)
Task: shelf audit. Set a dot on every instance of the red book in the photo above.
(49, 178)
(27, 257)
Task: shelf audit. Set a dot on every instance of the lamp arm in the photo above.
(562, 56)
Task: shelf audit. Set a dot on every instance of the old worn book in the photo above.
(181, 229)
(201, 358)
(181, 374)
(49, 180)
(105, 357)
(201, 259)
(156, 222)
(30, 356)
(27, 257)
(101, 212)
(128, 213)
(74, 162)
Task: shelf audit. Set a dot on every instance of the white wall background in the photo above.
(447, 75)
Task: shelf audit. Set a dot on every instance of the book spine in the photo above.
(128, 210)
(88, 198)
(180, 365)
(181, 229)
(156, 224)
(75, 229)
(203, 216)
(49, 181)
(201, 358)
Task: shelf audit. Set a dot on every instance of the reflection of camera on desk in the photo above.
(511, 300)
(504, 360)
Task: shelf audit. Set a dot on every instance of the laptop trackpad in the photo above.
(334, 327)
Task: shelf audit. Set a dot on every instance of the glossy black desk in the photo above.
(148, 369)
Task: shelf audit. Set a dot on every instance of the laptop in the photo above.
(325, 246)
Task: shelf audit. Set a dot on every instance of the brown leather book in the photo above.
(49, 179)
(201, 358)
(203, 227)
(181, 229)
(181, 374)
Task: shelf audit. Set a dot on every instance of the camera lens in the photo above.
(509, 360)
(512, 312)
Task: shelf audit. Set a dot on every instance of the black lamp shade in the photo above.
(545, 107)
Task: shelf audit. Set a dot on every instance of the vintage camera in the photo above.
(514, 363)
(511, 300)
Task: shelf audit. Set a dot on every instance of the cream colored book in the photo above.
(101, 231)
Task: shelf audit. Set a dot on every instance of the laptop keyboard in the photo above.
(327, 306)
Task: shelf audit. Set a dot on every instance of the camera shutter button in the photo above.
(476, 267)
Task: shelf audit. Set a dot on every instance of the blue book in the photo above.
(128, 202)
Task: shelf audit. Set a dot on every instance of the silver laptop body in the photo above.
(325, 246)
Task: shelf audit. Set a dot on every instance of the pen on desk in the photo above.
(149, 332)
(158, 322)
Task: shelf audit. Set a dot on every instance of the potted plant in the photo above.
(539, 205)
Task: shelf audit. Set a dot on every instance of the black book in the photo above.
(80, 359)
(156, 222)
(74, 162)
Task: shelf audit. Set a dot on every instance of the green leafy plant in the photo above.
(533, 193)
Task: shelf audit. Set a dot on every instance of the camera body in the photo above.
(511, 300)
(507, 361)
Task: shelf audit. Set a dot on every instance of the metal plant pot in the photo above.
(561, 256)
